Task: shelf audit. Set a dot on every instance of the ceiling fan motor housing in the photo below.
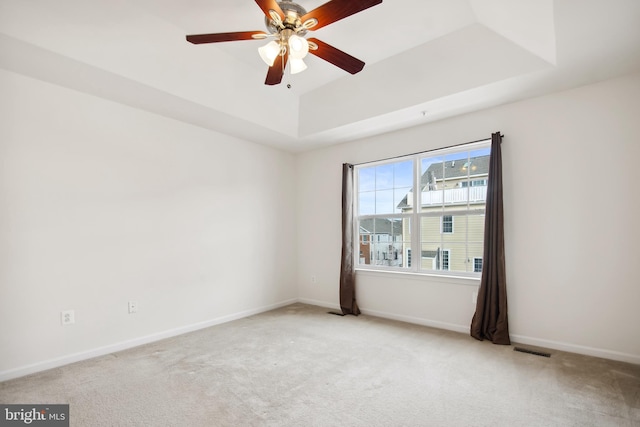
(292, 13)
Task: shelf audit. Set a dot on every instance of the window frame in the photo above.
(415, 244)
(475, 263)
(442, 224)
(446, 252)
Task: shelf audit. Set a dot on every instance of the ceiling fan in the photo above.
(288, 23)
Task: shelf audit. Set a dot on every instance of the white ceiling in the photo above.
(426, 60)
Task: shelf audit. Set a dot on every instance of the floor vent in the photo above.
(335, 312)
(534, 352)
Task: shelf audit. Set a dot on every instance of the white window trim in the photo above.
(453, 230)
(415, 246)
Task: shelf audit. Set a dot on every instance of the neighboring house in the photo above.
(377, 236)
(451, 231)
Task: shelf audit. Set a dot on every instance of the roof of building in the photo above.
(458, 168)
(454, 169)
(430, 254)
(380, 226)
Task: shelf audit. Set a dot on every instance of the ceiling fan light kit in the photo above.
(297, 65)
(298, 47)
(289, 22)
(270, 52)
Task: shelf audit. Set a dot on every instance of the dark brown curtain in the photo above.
(490, 319)
(347, 271)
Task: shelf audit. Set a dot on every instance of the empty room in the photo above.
(319, 213)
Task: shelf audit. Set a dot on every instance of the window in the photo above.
(447, 224)
(474, 183)
(445, 259)
(442, 222)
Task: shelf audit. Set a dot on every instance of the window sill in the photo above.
(410, 275)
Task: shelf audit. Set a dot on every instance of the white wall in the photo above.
(571, 207)
(101, 204)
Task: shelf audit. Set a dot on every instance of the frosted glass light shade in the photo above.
(297, 65)
(269, 52)
(298, 47)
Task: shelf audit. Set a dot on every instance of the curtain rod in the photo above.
(425, 151)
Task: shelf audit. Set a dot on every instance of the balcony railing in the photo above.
(452, 196)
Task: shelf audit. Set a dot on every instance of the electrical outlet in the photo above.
(67, 317)
(133, 307)
(314, 279)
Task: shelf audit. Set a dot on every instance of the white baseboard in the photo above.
(124, 345)
(520, 339)
(417, 320)
(319, 303)
(391, 316)
(579, 349)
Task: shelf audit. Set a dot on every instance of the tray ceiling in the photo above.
(426, 60)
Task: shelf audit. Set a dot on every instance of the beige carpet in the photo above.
(299, 366)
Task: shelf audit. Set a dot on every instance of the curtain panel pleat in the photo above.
(490, 319)
(347, 271)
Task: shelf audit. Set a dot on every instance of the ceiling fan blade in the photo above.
(267, 5)
(276, 71)
(336, 10)
(336, 57)
(224, 37)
